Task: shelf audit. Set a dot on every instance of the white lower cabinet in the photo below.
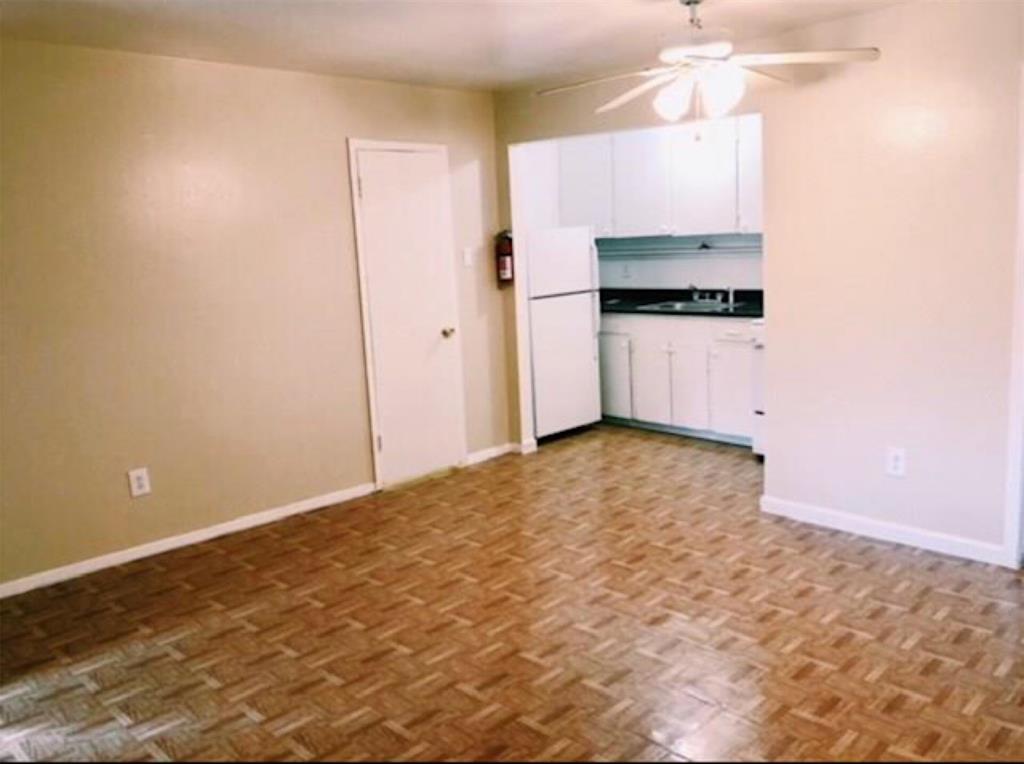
(731, 387)
(692, 373)
(690, 385)
(616, 376)
(652, 380)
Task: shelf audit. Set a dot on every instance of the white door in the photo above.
(562, 261)
(704, 178)
(750, 161)
(652, 381)
(642, 182)
(690, 385)
(731, 388)
(585, 182)
(566, 379)
(406, 257)
(616, 376)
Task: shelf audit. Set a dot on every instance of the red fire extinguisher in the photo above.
(503, 258)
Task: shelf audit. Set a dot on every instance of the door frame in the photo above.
(355, 145)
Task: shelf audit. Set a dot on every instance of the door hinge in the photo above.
(380, 443)
(359, 185)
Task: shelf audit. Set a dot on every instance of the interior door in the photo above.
(407, 272)
(566, 379)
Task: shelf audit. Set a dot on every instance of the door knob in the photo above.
(448, 331)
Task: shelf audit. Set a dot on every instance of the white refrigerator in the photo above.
(565, 316)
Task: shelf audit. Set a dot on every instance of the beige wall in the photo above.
(890, 246)
(179, 290)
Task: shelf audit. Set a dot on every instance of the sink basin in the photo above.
(689, 306)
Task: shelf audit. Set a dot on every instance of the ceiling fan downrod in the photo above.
(694, 8)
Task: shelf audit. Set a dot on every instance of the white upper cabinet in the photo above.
(696, 179)
(749, 162)
(704, 178)
(585, 183)
(534, 184)
(642, 182)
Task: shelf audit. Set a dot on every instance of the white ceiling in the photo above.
(492, 44)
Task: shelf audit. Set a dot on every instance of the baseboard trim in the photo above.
(493, 452)
(957, 546)
(527, 446)
(686, 432)
(74, 570)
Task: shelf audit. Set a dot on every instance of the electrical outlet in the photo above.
(138, 482)
(467, 257)
(896, 462)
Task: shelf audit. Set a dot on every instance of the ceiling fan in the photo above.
(708, 69)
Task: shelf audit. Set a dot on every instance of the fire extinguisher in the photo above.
(503, 258)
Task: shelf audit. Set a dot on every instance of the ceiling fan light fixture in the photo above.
(681, 53)
(673, 101)
(722, 87)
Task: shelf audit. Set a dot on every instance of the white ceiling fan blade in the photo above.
(807, 57)
(651, 72)
(636, 92)
(768, 75)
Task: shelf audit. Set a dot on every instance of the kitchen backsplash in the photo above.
(675, 262)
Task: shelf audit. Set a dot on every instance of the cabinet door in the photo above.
(731, 388)
(533, 175)
(704, 178)
(750, 162)
(652, 381)
(585, 182)
(690, 385)
(642, 183)
(616, 376)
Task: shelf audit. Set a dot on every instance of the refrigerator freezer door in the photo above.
(562, 261)
(566, 381)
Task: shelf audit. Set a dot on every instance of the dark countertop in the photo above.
(748, 303)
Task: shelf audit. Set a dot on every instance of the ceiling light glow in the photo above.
(722, 86)
(673, 101)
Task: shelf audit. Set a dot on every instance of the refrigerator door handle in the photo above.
(596, 302)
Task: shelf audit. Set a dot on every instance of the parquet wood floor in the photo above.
(616, 596)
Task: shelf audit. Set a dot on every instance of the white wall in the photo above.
(890, 246)
(179, 291)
